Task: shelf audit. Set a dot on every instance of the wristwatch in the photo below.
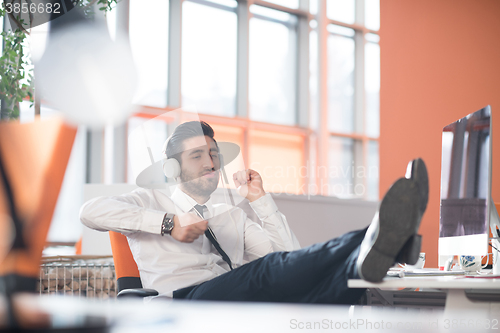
(168, 224)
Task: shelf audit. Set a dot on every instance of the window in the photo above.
(280, 177)
(149, 42)
(272, 66)
(353, 97)
(372, 14)
(341, 171)
(372, 85)
(341, 80)
(144, 142)
(241, 67)
(294, 83)
(208, 75)
(341, 10)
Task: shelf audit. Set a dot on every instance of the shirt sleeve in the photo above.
(125, 214)
(274, 225)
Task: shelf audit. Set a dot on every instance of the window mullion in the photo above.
(366, 168)
(323, 133)
(95, 152)
(242, 63)
(174, 98)
(360, 12)
(359, 100)
(302, 81)
(359, 82)
(302, 84)
(303, 74)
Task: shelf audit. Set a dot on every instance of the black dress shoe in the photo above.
(395, 223)
(417, 172)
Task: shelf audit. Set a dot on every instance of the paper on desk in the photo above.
(424, 272)
(483, 276)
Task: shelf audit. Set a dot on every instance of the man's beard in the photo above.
(197, 185)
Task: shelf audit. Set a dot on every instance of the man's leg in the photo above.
(316, 274)
(392, 235)
(319, 273)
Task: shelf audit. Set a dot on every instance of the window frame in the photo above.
(316, 140)
(359, 134)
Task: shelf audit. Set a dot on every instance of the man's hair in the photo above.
(191, 129)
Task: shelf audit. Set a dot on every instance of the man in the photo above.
(172, 238)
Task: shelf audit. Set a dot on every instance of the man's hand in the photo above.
(249, 184)
(188, 227)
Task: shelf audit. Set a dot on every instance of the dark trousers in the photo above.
(315, 274)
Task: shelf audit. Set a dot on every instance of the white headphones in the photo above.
(172, 167)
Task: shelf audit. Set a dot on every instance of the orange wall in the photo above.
(440, 60)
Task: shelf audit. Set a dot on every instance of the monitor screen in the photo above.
(466, 185)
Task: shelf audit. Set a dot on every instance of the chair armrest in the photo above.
(137, 292)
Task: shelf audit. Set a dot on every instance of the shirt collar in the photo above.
(186, 203)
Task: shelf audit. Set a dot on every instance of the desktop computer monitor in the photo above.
(466, 206)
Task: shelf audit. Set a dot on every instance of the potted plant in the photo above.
(16, 70)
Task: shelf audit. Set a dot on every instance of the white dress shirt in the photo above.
(166, 264)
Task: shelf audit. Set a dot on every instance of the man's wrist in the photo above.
(167, 224)
(257, 197)
(264, 206)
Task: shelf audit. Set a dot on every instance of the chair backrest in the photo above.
(127, 273)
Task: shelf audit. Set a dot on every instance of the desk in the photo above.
(179, 316)
(455, 287)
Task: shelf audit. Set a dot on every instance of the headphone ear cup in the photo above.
(171, 168)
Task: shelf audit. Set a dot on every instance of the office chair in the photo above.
(128, 281)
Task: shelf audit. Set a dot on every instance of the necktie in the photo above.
(211, 237)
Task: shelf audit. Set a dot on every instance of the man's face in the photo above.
(200, 166)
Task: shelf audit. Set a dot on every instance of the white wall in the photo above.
(316, 219)
(319, 218)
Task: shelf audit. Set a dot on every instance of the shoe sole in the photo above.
(416, 171)
(399, 220)
(411, 250)
(419, 175)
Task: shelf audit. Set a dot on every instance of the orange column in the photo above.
(439, 62)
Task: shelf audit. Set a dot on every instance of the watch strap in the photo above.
(167, 224)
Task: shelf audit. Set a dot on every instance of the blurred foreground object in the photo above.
(33, 159)
(85, 74)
